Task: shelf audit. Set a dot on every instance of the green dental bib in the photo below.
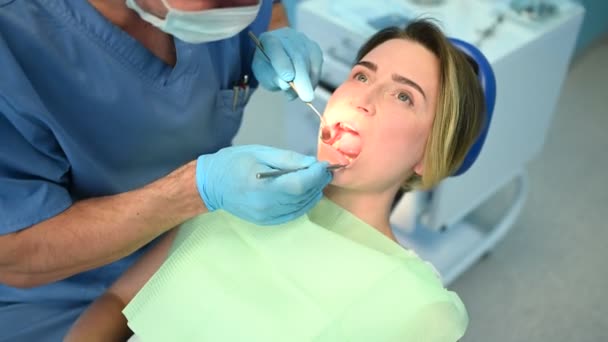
(326, 276)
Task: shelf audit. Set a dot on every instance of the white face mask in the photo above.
(201, 26)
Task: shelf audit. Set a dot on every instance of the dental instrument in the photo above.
(325, 134)
(277, 173)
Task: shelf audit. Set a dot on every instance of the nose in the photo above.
(363, 103)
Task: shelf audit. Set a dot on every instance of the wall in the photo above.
(595, 24)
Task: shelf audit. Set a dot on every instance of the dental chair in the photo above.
(527, 61)
(431, 223)
(486, 78)
(452, 248)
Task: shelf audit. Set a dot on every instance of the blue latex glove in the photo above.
(227, 180)
(293, 57)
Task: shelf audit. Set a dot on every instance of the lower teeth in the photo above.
(336, 146)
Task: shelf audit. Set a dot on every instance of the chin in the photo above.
(350, 177)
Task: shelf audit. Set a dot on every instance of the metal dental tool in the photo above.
(277, 173)
(325, 134)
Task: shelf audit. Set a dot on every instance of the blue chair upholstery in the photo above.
(485, 74)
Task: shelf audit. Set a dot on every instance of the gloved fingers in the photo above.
(254, 216)
(297, 183)
(260, 203)
(312, 202)
(279, 210)
(301, 65)
(316, 62)
(298, 211)
(297, 200)
(276, 220)
(283, 159)
(284, 86)
(279, 57)
(264, 72)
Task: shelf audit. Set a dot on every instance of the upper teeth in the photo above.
(347, 127)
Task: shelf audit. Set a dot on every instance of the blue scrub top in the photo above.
(87, 111)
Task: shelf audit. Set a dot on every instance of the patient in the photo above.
(405, 118)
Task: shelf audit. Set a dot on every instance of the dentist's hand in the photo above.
(227, 180)
(293, 57)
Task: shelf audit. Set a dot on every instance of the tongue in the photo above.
(349, 144)
(330, 154)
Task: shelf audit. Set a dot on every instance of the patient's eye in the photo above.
(360, 77)
(404, 97)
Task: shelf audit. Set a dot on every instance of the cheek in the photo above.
(338, 98)
(394, 150)
(404, 139)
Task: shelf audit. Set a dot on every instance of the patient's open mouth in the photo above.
(346, 140)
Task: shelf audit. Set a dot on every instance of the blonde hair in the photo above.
(459, 115)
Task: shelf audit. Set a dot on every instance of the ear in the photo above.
(419, 168)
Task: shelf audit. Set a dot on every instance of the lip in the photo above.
(349, 125)
(343, 125)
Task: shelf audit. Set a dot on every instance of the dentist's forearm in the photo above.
(98, 231)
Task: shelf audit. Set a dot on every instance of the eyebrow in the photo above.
(397, 78)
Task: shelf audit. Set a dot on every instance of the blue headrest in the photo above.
(488, 85)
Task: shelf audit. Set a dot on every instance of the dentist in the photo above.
(116, 120)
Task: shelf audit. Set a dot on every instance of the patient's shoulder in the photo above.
(424, 282)
(409, 304)
(416, 266)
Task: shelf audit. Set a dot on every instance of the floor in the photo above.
(546, 280)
